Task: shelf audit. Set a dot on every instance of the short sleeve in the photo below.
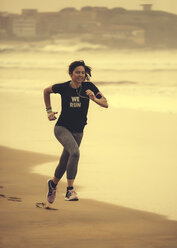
(93, 88)
(58, 88)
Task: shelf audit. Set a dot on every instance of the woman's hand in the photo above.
(51, 116)
(90, 94)
(100, 101)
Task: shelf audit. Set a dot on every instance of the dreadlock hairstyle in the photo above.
(74, 64)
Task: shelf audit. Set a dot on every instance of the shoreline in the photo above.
(92, 223)
(88, 193)
(139, 163)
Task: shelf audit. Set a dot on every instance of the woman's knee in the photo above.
(75, 154)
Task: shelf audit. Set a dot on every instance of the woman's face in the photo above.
(78, 75)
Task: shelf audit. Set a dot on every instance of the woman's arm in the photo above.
(100, 101)
(50, 113)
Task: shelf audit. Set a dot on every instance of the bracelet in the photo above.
(48, 110)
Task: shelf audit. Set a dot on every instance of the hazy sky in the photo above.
(15, 6)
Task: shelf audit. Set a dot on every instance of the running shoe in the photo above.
(51, 193)
(71, 195)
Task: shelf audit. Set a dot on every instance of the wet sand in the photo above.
(85, 223)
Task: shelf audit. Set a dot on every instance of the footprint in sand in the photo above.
(44, 206)
(10, 198)
(2, 195)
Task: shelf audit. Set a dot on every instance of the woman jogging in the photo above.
(75, 96)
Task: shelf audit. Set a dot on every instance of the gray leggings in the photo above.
(70, 156)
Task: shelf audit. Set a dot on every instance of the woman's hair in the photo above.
(74, 64)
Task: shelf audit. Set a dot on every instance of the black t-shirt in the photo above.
(75, 105)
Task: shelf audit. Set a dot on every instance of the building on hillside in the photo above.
(147, 5)
(125, 34)
(72, 20)
(48, 23)
(29, 12)
(24, 27)
(4, 24)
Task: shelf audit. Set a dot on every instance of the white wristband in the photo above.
(49, 110)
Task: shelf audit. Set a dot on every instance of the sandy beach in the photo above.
(129, 152)
(85, 223)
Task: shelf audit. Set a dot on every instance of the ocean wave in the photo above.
(27, 67)
(164, 69)
(59, 47)
(37, 65)
(116, 83)
(15, 48)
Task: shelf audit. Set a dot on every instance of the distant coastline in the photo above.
(115, 28)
